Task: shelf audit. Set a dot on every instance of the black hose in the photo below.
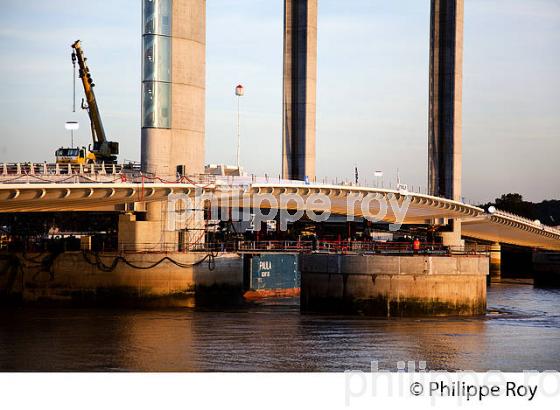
(111, 267)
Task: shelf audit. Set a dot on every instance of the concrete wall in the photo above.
(72, 279)
(300, 85)
(394, 285)
(151, 235)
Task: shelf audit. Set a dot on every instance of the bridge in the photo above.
(172, 158)
(52, 188)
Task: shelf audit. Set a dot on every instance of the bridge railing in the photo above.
(404, 248)
(49, 169)
(34, 173)
(225, 246)
(308, 246)
(526, 221)
(29, 172)
(110, 244)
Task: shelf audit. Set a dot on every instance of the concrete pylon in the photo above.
(445, 110)
(495, 260)
(300, 84)
(173, 86)
(173, 111)
(446, 94)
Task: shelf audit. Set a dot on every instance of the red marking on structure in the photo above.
(271, 293)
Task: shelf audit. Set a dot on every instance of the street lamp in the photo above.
(377, 174)
(239, 92)
(71, 126)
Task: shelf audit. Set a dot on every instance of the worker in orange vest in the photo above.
(416, 245)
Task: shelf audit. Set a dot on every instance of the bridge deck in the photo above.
(102, 189)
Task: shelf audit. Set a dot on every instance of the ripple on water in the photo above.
(520, 331)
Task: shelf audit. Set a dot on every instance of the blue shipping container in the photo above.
(273, 271)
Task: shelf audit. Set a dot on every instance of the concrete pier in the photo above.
(131, 279)
(496, 260)
(300, 84)
(173, 86)
(393, 286)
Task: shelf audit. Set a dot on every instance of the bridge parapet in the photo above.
(504, 217)
(45, 173)
(28, 172)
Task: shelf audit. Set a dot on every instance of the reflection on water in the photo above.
(520, 332)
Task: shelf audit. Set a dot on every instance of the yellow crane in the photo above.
(102, 150)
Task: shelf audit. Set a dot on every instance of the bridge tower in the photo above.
(173, 111)
(173, 86)
(445, 107)
(300, 84)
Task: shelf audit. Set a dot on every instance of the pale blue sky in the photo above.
(372, 86)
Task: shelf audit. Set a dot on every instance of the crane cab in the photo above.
(74, 156)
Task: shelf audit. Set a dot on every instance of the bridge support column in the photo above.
(496, 260)
(393, 286)
(173, 105)
(151, 234)
(300, 83)
(453, 237)
(173, 86)
(445, 106)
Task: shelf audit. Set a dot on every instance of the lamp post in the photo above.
(239, 92)
(71, 126)
(377, 174)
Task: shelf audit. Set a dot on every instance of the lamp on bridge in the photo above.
(239, 92)
(377, 174)
(71, 126)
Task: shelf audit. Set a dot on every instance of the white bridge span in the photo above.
(96, 189)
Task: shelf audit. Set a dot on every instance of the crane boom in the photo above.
(98, 133)
(103, 150)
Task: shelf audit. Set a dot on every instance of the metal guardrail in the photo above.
(49, 169)
(17, 173)
(110, 244)
(307, 246)
(30, 172)
(35, 173)
(525, 221)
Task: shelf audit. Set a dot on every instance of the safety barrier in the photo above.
(35, 173)
(308, 246)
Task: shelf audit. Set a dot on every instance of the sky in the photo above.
(372, 91)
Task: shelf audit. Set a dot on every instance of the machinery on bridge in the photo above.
(102, 151)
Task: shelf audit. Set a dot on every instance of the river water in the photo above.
(520, 332)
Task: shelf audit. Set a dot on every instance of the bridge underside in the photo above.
(385, 204)
(505, 231)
